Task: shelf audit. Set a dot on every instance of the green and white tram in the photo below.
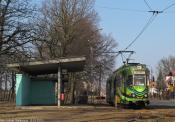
(128, 85)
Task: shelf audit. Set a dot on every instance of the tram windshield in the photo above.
(139, 79)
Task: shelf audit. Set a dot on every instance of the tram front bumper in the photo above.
(136, 100)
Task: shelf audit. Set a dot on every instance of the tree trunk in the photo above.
(12, 90)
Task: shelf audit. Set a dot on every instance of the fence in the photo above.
(163, 95)
(7, 85)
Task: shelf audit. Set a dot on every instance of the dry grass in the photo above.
(9, 112)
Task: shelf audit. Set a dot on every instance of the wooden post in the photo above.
(115, 101)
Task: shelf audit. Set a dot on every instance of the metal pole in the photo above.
(59, 85)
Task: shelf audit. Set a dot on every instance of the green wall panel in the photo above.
(22, 89)
(42, 92)
(34, 92)
(18, 89)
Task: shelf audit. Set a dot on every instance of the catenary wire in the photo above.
(166, 8)
(147, 4)
(151, 19)
(123, 9)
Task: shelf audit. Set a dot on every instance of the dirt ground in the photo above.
(100, 113)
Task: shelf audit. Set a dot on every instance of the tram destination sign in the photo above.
(139, 72)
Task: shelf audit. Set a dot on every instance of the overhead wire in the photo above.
(147, 4)
(122, 57)
(166, 8)
(169, 12)
(151, 19)
(123, 9)
(136, 10)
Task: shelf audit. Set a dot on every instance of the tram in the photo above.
(128, 85)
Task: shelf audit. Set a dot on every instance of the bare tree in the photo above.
(70, 28)
(15, 29)
(166, 65)
(65, 25)
(15, 34)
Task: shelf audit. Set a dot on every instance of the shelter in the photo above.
(38, 90)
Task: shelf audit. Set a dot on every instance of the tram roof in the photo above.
(127, 65)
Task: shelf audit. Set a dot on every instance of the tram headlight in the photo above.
(146, 95)
(133, 95)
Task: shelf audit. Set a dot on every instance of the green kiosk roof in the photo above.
(72, 64)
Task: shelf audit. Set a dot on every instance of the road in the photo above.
(160, 112)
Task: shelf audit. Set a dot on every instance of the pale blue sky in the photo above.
(156, 42)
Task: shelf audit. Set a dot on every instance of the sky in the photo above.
(156, 42)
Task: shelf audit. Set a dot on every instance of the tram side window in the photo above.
(129, 81)
(118, 81)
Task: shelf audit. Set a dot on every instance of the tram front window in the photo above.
(139, 79)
